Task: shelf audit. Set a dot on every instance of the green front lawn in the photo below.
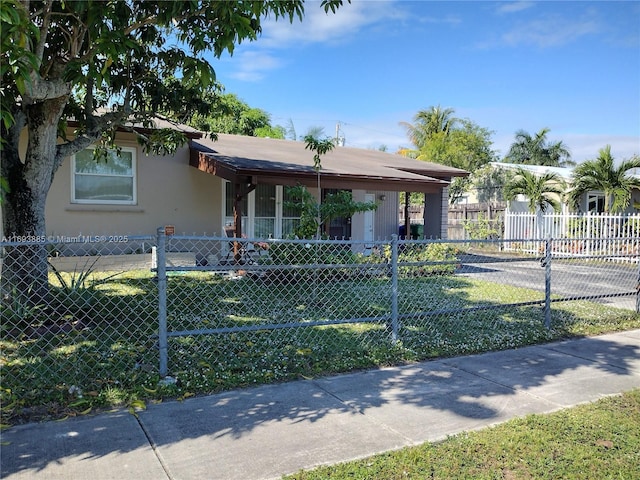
(105, 353)
(594, 441)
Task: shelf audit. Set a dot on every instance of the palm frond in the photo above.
(601, 174)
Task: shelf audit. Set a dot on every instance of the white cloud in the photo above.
(447, 19)
(550, 31)
(512, 7)
(544, 30)
(586, 147)
(317, 26)
(252, 65)
(374, 139)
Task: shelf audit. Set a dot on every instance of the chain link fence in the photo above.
(107, 320)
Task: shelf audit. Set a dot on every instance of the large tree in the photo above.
(232, 115)
(538, 150)
(466, 146)
(427, 123)
(601, 174)
(104, 66)
(440, 137)
(489, 183)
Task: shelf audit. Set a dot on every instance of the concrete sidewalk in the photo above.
(268, 431)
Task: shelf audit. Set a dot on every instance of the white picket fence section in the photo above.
(615, 237)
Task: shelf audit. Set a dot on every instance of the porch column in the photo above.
(436, 214)
(237, 220)
(241, 190)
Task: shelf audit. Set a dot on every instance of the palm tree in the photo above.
(602, 175)
(537, 150)
(542, 191)
(428, 123)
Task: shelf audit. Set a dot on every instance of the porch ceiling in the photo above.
(241, 159)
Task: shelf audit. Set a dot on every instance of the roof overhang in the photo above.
(251, 160)
(155, 123)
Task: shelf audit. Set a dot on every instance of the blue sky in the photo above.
(573, 67)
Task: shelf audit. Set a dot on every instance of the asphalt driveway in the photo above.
(614, 283)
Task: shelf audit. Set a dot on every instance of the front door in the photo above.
(369, 224)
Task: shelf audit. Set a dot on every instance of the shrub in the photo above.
(306, 256)
(430, 259)
(484, 228)
(77, 290)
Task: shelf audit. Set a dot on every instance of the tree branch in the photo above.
(97, 125)
(40, 89)
(44, 29)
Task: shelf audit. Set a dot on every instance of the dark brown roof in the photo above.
(157, 123)
(241, 159)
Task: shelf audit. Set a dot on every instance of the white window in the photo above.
(595, 202)
(107, 180)
(290, 218)
(263, 212)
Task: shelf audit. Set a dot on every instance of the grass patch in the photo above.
(598, 440)
(106, 353)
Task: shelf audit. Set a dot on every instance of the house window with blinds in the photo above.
(108, 179)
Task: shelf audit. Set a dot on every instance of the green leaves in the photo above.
(197, 71)
(335, 204)
(601, 174)
(541, 191)
(162, 141)
(117, 53)
(320, 147)
(331, 5)
(440, 137)
(17, 60)
(537, 150)
(228, 114)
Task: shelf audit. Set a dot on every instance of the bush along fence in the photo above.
(125, 319)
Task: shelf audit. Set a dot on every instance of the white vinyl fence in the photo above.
(615, 236)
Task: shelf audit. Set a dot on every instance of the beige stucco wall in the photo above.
(169, 192)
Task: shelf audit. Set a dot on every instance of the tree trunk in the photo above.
(24, 269)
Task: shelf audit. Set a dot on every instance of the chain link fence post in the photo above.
(161, 272)
(547, 283)
(394, 288)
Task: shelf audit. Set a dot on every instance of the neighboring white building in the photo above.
(591, 201)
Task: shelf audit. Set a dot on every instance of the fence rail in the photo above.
(215, 313)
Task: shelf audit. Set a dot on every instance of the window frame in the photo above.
(598, 198)
(133, 177)
(248, 220)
